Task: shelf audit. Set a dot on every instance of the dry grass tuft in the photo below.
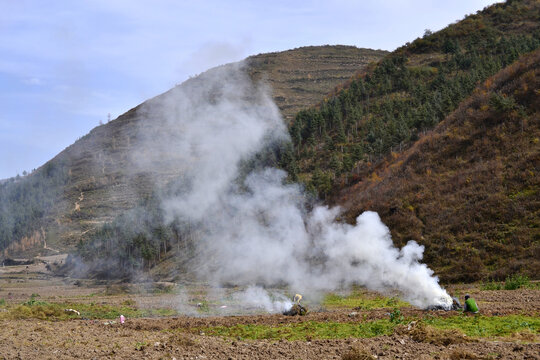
(459, 354)
(357, 354)
(181, 340)
(420, 332)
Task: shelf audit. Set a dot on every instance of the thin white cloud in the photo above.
(33, 81)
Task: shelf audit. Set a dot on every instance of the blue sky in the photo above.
(65, 65)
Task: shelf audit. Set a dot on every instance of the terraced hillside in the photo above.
(306, 75)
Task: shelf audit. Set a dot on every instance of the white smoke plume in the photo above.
(259, 298)
(255, 229)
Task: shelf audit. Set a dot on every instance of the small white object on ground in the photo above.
(73, 311)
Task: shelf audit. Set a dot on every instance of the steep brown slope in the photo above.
(98, 184)
(469, 190)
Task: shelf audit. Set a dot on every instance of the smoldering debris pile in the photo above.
(296, 310)
(455, 306)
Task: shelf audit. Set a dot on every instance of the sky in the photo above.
(66, 65)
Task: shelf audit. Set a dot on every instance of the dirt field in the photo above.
(183, 337)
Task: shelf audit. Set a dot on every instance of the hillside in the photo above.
(90, 182)
(349, 148)
(470, 189)
(387, 107)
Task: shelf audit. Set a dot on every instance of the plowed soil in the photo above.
(154, 339)
(181, 337)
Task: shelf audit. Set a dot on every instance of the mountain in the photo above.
(90, 182)
(469, 190)
(389, 105)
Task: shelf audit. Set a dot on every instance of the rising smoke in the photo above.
(254, 228)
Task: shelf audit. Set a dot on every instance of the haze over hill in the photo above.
(93, 180)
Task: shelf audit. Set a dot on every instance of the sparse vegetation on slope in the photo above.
(25, 203)
(470, 189)
(406, 94)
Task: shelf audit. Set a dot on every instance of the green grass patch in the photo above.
(35, 309)
(492, 285)
(2, 302)
(523, 194)
(472, 326)
(304, 331)
(33, 301)
(203, 308)
(483, 326)
(357, 299)
(512, 282)
(516, 281)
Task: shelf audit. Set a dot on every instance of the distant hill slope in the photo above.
(470, 189)
(89, 183)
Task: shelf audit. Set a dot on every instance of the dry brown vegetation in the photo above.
(470, 189)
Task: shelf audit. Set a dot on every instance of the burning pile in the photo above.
(296, 309)
(447, 306)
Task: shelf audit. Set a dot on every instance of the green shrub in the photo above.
(516, 281)
(502, 103)
(33, 301)
(2, 302)
(396, 317)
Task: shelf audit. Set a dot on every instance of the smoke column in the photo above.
(255, 229)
